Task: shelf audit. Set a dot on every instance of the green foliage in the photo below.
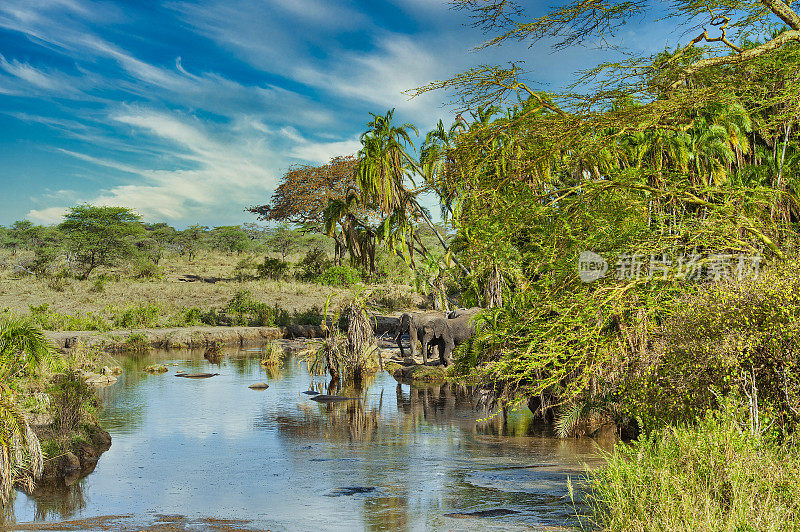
(272, 268)
(242, 309)
(70, 398)
(51, 320)
(230, 238)
(313, 264)
(136, 343)
(100, 236)
(145, 268)
(730, 336)
(714, 475)
(23, 350)
(339, 276)
(139, 316)
(310, 316)
(243, 269)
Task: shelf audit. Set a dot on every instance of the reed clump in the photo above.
(272, 355)
(714, 475)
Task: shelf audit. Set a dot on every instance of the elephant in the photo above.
(461, 311)
(415, 325)
(447, 333)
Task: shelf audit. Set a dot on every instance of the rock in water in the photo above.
(310, 392)
(498, 512)
(322, 398)
(196, 375)
(259, 386)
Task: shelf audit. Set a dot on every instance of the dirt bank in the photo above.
(73, 463)
(198, 337)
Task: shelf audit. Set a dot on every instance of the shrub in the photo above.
(272, 268)
(138, 316)
(70, 399)
(144, 268)
(99, 285)
(242, 309)
(735, 335)
(188, 317)
(53, 321)
(243, 269)
(339, 276)
(136, 343)
(313, 264)
(311, 316)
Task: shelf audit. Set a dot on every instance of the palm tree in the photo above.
(383, 166)
(23, 348)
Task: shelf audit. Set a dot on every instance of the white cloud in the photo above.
(322, 152)
(47, 216)
(214, 175)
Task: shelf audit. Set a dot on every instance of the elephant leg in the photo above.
(426, 338)
(447, 354)
(399, 341)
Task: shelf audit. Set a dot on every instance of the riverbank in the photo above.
(195, 337)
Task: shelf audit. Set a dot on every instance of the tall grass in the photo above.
(716, 475)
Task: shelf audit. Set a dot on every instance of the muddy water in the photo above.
(189, 454)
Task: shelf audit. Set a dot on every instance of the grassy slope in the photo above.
(17, 293)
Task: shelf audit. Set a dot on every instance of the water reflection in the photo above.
(396, 457)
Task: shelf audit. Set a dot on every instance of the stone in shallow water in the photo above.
(321, 398)
(259, 386)
(351, 490)
(497, 512)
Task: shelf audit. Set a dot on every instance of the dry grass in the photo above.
(18, 293)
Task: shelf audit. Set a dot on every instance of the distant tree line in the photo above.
(90, 237)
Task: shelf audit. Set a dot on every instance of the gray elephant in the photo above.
(448, 333)
(462, 311)
(415, 325)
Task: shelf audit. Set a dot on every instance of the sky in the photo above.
(189, 112)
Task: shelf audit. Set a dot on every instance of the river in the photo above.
(213, 454)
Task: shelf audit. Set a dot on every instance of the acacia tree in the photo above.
(304, 194)
(685, 150)
(101, 236)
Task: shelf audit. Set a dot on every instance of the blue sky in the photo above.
(188, 112)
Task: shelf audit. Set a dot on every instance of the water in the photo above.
(190, 452)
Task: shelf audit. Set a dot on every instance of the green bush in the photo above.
(728, 336)
(716, 475)
(339, 276)
(188, 317)
(53, 321)
(313, 264)
(140, 316)
(71, 401)
(144, 268)
(311, 316)
(243, 269)
(272, 268)
(242, 309)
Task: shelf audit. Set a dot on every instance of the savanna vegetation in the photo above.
(680, 170)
